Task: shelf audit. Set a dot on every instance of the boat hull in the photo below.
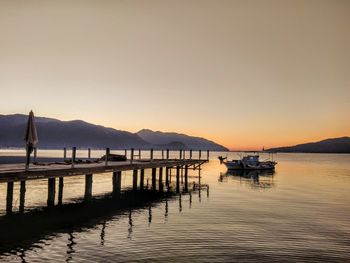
(241, 167)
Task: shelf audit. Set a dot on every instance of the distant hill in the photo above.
(334, 145)
(56, 134)
(195, 143)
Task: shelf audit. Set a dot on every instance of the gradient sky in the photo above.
(244, 73)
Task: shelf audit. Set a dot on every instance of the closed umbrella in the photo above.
(31, 137)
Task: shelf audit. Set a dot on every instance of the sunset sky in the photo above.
(245, 74)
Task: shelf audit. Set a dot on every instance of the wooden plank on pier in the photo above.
(17, 172)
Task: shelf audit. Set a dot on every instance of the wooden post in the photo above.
(74, 152)
(64, 153)
(207, 155)
(190, 154)
(162, 154)
(9, 198)
(22, 196)
(151, 155)
(160, 180)
(107, 155)
(177, 179)
(132, 155)
(167, 176)
(186, 178)
(180, 154)
(117, 181)
(142, 179)
(154, 170)
(88, 187)
(167, 154)
(60, 191)
(89, 153)
(139, 153)
(126, 153)
(51, 191)
(199, 154)
(184, 154)
(134, 180)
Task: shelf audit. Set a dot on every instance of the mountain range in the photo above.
(333, 145)
(56, 134)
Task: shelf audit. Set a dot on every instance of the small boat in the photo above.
(249, 162)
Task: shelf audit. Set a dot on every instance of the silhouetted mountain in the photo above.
(55, 134)
(195, 143)
(335, 145)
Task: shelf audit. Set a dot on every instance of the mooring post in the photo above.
(107, 156)
(22, 196)
(60, 191)
(51, 191)
(134, 180)
(190, 154)
(139, 153)
(126, 153)
(207, 155)
(142, 178)
(64, 153)
(162, 154)
(167, 176)
(88, 187)
(151, 155)
(186, 178)
(160, 182)
(89, 153)
(154, 170)
(184, 154)
(180, 154)
(167, 154)
(9, 198)
(74, 152)
(117, 182)
(177, 179)
(199, 154)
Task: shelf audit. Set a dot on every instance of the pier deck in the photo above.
(17, 172)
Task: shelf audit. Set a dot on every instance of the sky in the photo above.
(245, 74)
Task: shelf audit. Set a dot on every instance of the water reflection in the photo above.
(259, 179)
(70, 247)
(23, 231)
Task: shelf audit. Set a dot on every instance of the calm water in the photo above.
(299, 214)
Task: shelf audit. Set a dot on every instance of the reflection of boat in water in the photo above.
(255, 178)
(249, 162)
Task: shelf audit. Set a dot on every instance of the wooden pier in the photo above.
(10, 173)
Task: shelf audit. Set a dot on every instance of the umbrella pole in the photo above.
(27, 157)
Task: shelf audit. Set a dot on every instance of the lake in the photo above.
(298, 214)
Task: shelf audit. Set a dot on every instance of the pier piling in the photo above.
(22, 196)
(177, 179)
(154, 170)
(51, 191)
(117, 182)
(88, 187)
(134, 180)
(160, 180)
(9, 197)
(142, 178)
(60, 191)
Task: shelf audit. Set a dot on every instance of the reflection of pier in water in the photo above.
(20, 231)
(258, 179)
